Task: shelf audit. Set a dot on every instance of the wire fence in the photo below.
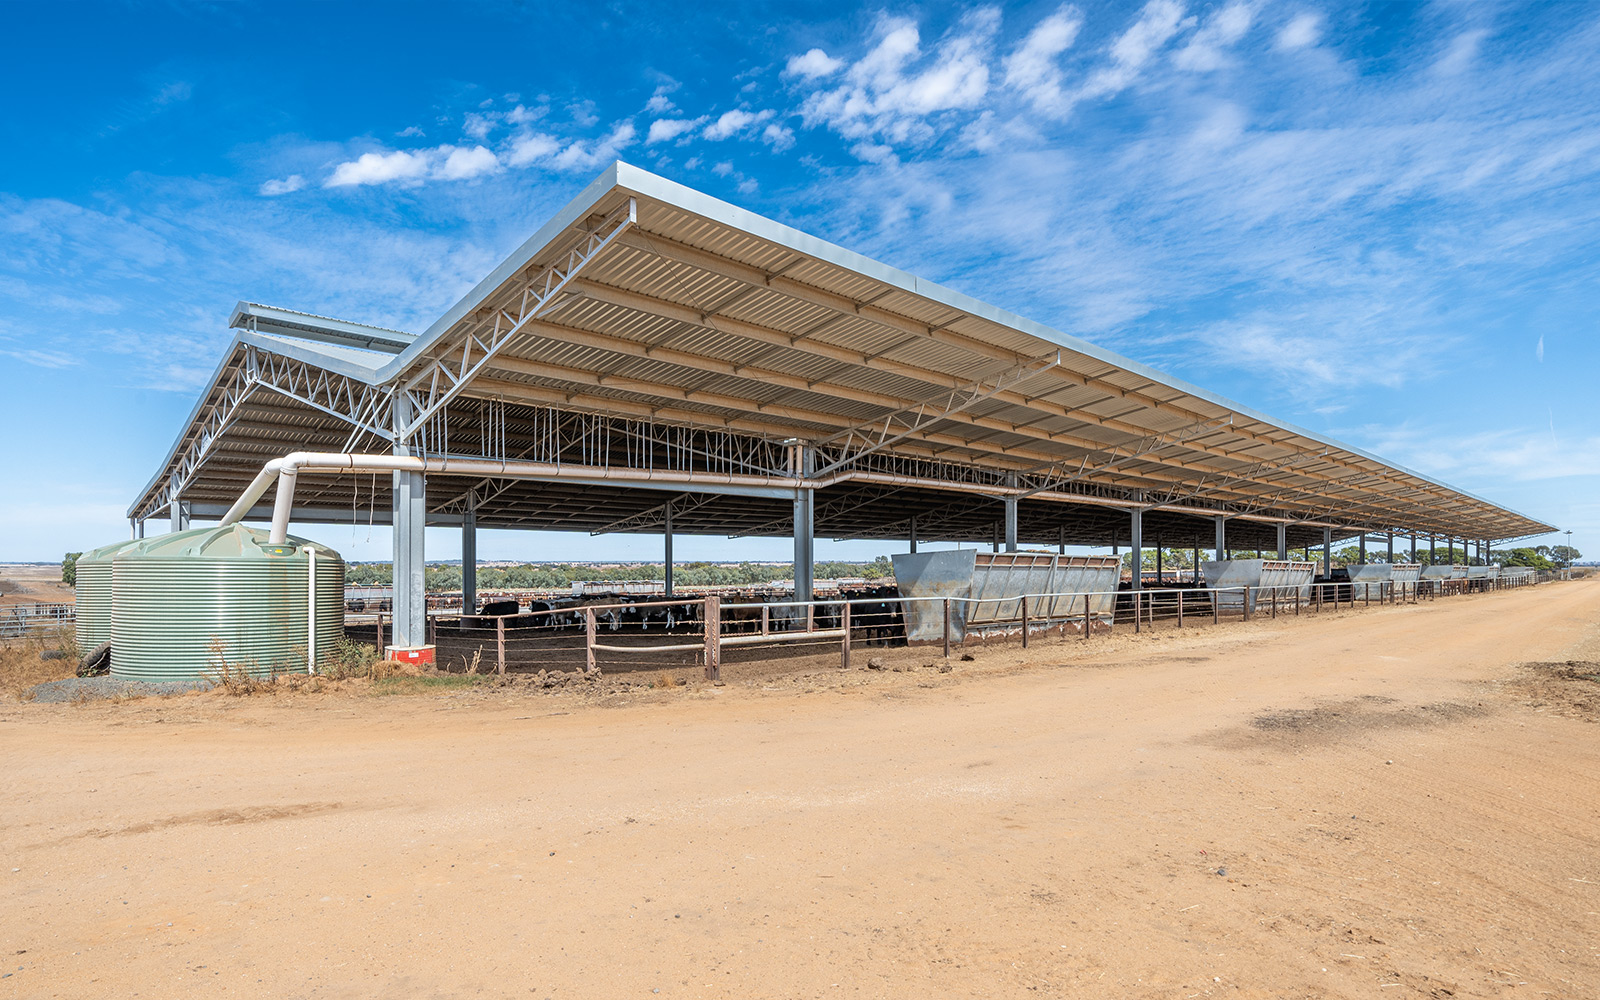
(705, 631)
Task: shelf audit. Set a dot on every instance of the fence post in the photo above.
(1088, 621)
(713, 620)
(947, 628)
(1216, 609)
(1274, 602)
(811, 617)
(380, 633)
(1247, 604)
(500, 644)
(1136, 602)
(588, 638)
(766, 619)
(1024, 621)
(844, 642)
(1180, 609)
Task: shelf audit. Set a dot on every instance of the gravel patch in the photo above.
(95, 688)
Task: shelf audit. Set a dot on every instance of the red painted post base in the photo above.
(420, 655)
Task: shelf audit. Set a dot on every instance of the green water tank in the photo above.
(93, 601)
(184, 603)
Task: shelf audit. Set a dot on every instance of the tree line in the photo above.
(559, 576)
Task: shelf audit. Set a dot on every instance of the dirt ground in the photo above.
(32, 583)
(1383, 803)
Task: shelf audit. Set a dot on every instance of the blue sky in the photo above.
(1377, 221)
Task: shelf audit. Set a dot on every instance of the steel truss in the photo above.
(453, 367)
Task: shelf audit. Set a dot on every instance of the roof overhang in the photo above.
(648, 302)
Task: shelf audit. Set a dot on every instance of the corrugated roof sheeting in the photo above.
(764, 283)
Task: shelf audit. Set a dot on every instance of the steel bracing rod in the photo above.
(886, 430)
(645, 445)
(445, 375)
(689, 316)
(845, 306)
(681, 504)
(328, 392)
(1317, 507)
(1120, 455)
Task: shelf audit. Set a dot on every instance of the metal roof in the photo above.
(646, 302)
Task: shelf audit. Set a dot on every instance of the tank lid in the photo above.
(234, 541)
(105, 552)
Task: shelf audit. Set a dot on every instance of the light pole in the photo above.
(1568, 559)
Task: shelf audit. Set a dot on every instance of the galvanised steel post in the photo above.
(666, 552)
(1137, 548)
(1222, 538)
(1283, 540)
(1327, 552)
(804, 511)
(469, 556)
(410, 513)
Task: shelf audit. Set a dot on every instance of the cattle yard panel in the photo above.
(20, 620)
(703, 631)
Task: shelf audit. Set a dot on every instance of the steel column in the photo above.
(1433, 550)
(1137, 548)
(1222, 538)
(666, 545)
(410, 514)
(1011, 524)
(180, 515)
(1391, 548)
(469, 557)
(1061, 540)
(1283, 540)
(913, 534)
(1362, 557)
(1327, 552)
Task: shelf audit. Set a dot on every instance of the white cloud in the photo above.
(660, 103)
(409, 132)
(748, 185)
(1538, 350)
(894, 93)
(380, 168)
(1205, 50)
(873, 152)
(462, 163)
(667, 129)
(723, 169)
(778, 137)
(731, 123)
(531, 148)
(1158, 22)
(813, 65)
(1032, 69)
(477, 126)
(290, 184)
(1461, 54)
(582, 155)
(520, 115)
(1300, 32)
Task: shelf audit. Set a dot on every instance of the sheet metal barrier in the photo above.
(1232, 576)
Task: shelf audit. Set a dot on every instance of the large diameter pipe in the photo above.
(285, 470)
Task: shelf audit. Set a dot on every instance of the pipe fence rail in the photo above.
(701, 631)
(21, 620)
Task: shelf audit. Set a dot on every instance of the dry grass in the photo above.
(21, 668)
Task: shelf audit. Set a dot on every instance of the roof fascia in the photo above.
(258, 318)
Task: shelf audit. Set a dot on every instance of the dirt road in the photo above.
(1359, 806)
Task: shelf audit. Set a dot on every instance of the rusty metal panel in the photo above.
(925, 579)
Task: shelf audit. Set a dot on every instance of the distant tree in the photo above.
(1564, 555)
(69, 569)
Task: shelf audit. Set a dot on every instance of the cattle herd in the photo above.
(875, 614)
